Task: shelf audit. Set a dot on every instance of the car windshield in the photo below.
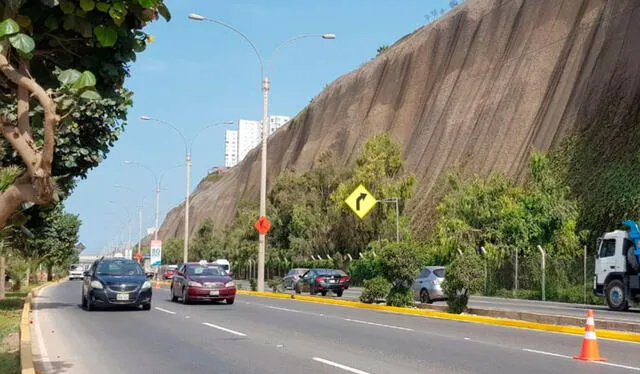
(204, 270)
(439, 273)
(76, 267)
(116, 268)
(340, 273)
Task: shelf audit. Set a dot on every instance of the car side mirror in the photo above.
(230, 273)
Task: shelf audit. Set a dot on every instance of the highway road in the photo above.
(264, 335)
(531, 306)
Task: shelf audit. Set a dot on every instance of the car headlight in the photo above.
(195, 284)
(96, 284)
(146, 284)
(230, 284)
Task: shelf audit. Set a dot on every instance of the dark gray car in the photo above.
(292, 277)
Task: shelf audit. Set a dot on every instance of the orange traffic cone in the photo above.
(157, 284)
(590, 351)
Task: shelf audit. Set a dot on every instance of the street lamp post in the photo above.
(187, 147)
(140, 206)
(265, 123)
(129, 222)
(158, 183)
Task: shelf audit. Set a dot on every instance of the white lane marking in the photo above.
(378, 324)
(545, 353)
(47, 367)
(223, 329)
(595, 362)
(164, 310)
(339, 366)
(282, 309)
(467, 338)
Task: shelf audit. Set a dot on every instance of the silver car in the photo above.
(427, 287)
(292, 277)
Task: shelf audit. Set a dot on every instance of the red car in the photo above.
(169, 274)
(202, 282)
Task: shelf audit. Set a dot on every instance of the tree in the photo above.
(63, 65)
(507, 219)
(380, 167)
(463, 277)
(172, 251)
(51, 239)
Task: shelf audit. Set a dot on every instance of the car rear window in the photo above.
(439, 273)
(204, 270)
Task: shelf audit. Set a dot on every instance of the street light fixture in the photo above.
(187, 148)
(265, 122)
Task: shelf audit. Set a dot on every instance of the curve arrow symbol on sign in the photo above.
(360, 198)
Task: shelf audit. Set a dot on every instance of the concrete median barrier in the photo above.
(561, 324)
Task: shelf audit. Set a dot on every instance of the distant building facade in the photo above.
(238, 143)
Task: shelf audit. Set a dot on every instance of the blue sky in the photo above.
(198, 73)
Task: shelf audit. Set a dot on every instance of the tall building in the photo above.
(248, 136)
(230, 148)
(275, 122)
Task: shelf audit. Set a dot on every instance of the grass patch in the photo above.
(10, 312)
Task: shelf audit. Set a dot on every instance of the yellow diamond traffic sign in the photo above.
(361, 201)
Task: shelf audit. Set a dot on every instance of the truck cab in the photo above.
(616, 270)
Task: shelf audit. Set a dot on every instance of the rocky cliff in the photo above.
(482, 86)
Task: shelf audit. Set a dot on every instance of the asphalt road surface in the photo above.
(532, 306)
(263, 335)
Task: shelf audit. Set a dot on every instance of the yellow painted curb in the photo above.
(606, 334)
(26, 349)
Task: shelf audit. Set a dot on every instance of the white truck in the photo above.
(617, 267)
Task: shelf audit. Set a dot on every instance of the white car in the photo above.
(224, 264)
(76, 271)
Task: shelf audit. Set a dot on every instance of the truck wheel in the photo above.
(632, 259)
(616, 296)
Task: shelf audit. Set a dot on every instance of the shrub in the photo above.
(375, 289)
(253, 284)
(400, 264)
(274, 283)
(400, 296)
(364, 269)
(463, 277)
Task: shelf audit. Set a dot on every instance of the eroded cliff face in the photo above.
(482, 86)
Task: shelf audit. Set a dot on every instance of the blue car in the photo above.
(116, 282)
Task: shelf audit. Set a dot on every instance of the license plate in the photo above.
(122, 297)
(214, 293)
(332, 281)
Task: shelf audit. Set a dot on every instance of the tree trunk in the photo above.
(28, 274)
(49, 273)
(2, 277)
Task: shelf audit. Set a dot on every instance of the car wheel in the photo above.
(324, 293)
(84, 302)
(424, 297)
(146, 306)
(297, 288)
(616, 296)
(185, 297)
(89, 306)
(231, 301)
(174, 298)
(339, 293)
